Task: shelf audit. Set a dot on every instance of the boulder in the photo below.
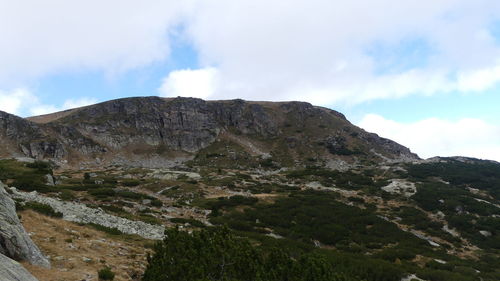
(11, 270)
(14, 241)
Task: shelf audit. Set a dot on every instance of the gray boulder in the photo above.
(10, 270)
(14, 241)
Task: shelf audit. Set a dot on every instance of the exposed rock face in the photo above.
(14, 241)
(186, 124)
(10, 270)
(43, 141)
(392, 147)
(28, 137)
(145, 127)
(82, 214)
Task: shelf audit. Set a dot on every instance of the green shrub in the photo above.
(108, 230)
(217, 254)
(131, 182)
(67, 195)
(149, 219)
(102, 192)
(106, 274)
(192, 222)
(131, 195)
(43, 209)
(32, 183)
(315, 215)
(156, 203)
(41, 167)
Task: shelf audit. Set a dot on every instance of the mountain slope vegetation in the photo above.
(258, 191)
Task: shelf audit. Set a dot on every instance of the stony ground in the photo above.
(78, 252)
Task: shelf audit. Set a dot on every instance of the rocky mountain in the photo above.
(153, 131)
(284, 183)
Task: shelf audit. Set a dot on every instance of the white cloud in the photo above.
(74, 103)
(23, 102)
(13, 101)
(314, 50)
(437, 137)
(479, 80)
(40, 109)
(45, 37)
(200, 83)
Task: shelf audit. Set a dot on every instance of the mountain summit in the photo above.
(155, 131)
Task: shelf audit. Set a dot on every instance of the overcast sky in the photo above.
(423, 73)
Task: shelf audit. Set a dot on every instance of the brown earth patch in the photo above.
(77, 252)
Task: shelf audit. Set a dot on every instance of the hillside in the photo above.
(277, 191)
(158, 132)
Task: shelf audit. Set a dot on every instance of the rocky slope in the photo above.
(436, 219)
(14, 241)
(80, 213)
(177, 130)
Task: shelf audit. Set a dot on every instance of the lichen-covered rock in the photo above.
(10, 270)
(14, 241)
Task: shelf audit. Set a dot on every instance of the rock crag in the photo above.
(14, 241)
(177, 129)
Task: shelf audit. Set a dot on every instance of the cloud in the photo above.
(23, 102)
(479, 80)
(437, 137)
(40, 109)
(41, 38)
(319, 50)
(200, 83)
(14, 101)
(74, 103)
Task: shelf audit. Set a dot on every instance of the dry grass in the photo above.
(47, 118)
(78, 252)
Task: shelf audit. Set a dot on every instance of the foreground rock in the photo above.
(82, 214)
(10, 270)
(14, 241)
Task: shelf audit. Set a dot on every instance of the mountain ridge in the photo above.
(179, 128)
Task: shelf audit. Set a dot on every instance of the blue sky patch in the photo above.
(406, 54)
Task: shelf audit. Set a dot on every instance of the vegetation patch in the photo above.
(217, 254)
(43, 209)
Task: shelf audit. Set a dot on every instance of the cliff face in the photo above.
(153, 126)
(28, 138)
(14, 240)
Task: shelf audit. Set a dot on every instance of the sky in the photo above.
(423, 73)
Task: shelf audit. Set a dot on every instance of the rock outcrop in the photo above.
(80, 213)
(10, 270)
(178, 128)
(14, 241)
(42, 141)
